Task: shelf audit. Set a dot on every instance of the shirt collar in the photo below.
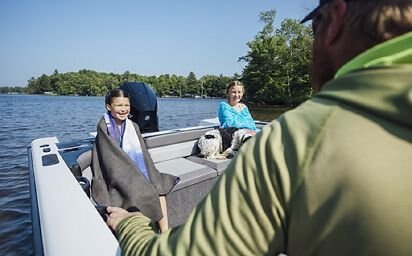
(395, 51)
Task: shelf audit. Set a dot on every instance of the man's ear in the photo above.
(108, 107)
(337, 12)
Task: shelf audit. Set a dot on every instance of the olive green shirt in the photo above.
(331, 177)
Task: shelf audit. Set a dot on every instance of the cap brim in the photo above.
(311, 15)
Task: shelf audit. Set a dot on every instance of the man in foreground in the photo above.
(331, 177)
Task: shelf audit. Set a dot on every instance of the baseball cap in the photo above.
(313, 13)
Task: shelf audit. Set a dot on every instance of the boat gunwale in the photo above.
(35, 215)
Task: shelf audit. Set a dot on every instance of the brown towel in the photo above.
(117, 181)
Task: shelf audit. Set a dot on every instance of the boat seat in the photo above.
(216, 164)
(173, 138)
(174, 151)
(196, 180)
(85, 161)
(82, 172)
(170, 159)
(171, 155)
(189, 172)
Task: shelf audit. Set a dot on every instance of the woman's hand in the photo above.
(116, 215)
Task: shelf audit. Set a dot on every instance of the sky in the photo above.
(144, 37)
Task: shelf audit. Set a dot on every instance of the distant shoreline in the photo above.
(259, 112)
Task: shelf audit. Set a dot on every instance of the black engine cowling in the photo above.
(143, 102)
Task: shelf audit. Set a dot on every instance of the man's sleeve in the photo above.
(244, 214)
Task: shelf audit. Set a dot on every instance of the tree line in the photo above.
(276, 71)
(92, 83)
(13, 89)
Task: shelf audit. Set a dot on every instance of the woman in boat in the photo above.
(233, 113)
(124, 174)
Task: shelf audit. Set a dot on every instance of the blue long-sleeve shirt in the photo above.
(230, 117)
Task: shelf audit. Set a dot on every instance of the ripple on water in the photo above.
(15, 213)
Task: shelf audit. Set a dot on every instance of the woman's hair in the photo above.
(233, 83)
(115, 93)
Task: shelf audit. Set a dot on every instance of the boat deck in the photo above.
(63, 212)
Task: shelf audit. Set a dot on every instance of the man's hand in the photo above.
(116, 215)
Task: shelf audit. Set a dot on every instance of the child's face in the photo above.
(119, 108)
(235, 94)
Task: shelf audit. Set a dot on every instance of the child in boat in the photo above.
(124, 174)
(233, 113)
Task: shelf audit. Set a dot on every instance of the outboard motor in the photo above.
(143, 108)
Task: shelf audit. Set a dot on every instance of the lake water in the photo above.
(27, 117)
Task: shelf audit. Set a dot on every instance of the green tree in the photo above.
(89, 82)
(296, 60)
(11, 89)
(192, 85)
(277, 62)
